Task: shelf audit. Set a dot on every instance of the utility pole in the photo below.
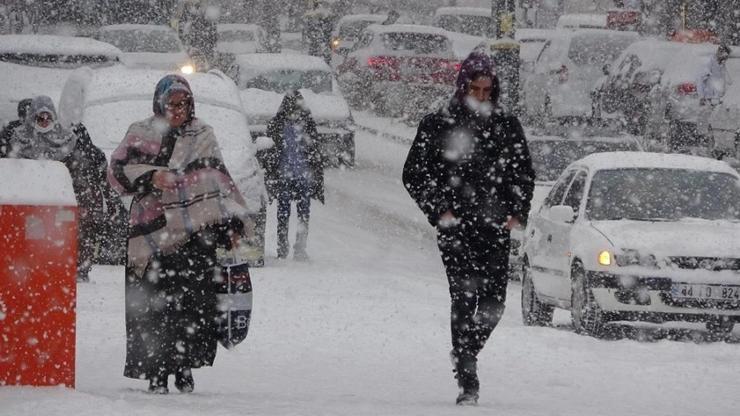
(505, 52)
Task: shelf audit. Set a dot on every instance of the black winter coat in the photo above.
(270, 159)
(480, 169)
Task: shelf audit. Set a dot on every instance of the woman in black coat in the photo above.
(294, 169)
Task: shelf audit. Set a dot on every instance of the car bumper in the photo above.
(643, 298)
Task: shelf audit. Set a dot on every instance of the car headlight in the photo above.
(605, 258)
(630, 257)
(187, 69)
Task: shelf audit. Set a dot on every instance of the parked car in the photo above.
(567, 69)
(476, 21)
(550, 156)
(399, 69)
(265, 78)
(652, 86)
(636, 236)
(148, 46)
(723, 123)
(346, 32)
(34, 65)
(107, 101)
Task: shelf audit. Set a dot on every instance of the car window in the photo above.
(418, 43)
(448, 22)
(365, 39)
(557, 191)
(591, 50)
(284, 80)
(352, 30)
(236, 36)
(575, 192)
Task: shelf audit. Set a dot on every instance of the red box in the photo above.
(38, 267)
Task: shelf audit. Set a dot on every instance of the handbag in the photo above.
(234, 298)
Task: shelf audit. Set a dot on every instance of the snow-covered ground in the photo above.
(362, 329)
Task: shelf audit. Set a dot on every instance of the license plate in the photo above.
(714, 292)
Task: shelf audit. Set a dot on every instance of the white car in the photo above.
(550, 156)
(265, 78)
(237, 39)
(347, 31)
(636, 236)
(400, 69)
(582, 21)
(107, 101)
(32, 65)
(148, 46)
(476, 21)
(567, 69)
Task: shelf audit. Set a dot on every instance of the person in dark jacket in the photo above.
(7, 131)
(43, 137)
(294, 169)
(470, 172)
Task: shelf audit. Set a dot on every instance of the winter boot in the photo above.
(158, 384)
(301, 239)
(184, 380)
(466, 373)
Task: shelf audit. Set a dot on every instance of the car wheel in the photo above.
(534, 312)
(720, 326)
(586, 315)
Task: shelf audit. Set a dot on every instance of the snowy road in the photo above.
(363, 330)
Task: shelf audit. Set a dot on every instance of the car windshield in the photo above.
(597, 50)
(285, 80)
(418, 43)
(551, 157)
(236, 36)
(156, 41)
(57, 61)
(663, 194)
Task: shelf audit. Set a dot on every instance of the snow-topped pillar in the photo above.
(38, 267)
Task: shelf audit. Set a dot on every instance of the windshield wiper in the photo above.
(645, 219)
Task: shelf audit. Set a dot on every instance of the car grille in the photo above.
(706, 263)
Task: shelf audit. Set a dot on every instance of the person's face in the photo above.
(44, 120)
(481, 89)
(177, 109)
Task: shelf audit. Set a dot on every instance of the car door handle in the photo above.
(549, 238)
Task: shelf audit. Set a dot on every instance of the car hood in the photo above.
(164, 61)
(689, 237)
(262, 105)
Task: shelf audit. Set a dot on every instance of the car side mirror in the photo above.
(606, 69)
(264, 143)
(562, 213)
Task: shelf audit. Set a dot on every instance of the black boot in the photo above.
(158, 384)
(466, 373)
(184, 380)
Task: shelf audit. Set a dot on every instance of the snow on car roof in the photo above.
(463, 11)
(35, 182)
(627, 160)
(56, 45)
(132, 26)
(263, 62)
(120, 83)
(408, 29)
(222, 27)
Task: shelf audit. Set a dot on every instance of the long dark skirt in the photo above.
(171, 311)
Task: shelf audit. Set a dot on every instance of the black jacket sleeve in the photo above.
(420, 172)
(521, 174)
(316, 160)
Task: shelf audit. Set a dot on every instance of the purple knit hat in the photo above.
(475, 65)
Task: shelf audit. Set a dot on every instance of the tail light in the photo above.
(379, 62)
(384, 67)
(686, 88)
(563, 74)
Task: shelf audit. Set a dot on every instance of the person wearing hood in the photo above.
(294, 169)
(7, 133)
(470, 172)
(42, 136)
(185, 205)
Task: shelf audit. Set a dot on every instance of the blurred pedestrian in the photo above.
(470, 172)
(713, 78)
(294, 170)
(42, 136)
(185, 206)
(7, 132)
